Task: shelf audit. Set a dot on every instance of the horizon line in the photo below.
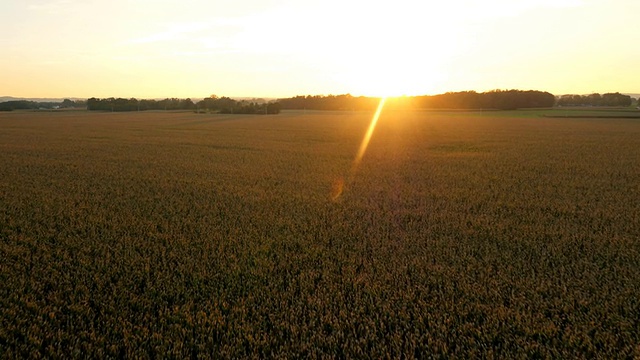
(245, 97)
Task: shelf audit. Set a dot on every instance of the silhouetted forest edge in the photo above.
(464, 100)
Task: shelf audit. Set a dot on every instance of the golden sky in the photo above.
(282, 48)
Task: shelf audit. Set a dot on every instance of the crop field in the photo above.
(183, 235)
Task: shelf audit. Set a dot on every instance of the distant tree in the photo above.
(273, 107)
(94, 104)
(66, 103)
(565, 100)
(616, 99)
(594, 99)
(187, 104)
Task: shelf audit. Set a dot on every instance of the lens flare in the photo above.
(338, 187)
(367, 136)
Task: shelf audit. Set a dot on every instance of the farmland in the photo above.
(177, 234)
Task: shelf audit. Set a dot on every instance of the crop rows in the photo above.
(185, 235)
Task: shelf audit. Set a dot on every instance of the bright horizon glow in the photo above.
(284, 48)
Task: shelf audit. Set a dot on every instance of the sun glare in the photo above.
(388, 78)
(368, 134)
(338, 186)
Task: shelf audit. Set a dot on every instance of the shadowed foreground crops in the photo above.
(176, 234)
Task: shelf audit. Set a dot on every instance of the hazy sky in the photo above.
(281, 48)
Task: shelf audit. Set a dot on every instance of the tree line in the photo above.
(36, 105)
(223, 105)
(496, 99)
(226, 105)
(121, 104)
(330, 102)
(609, 99)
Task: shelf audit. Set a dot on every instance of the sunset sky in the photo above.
(283, 48)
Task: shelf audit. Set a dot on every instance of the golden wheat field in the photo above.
(458, 234)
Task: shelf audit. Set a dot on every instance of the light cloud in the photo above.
(177, 31)
(53, 7)
(472, 9)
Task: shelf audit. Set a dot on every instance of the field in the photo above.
(161, 234)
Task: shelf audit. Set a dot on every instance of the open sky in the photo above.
(282, 48)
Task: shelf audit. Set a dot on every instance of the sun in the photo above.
(394, 81)
(388, 69)
(400, 49)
